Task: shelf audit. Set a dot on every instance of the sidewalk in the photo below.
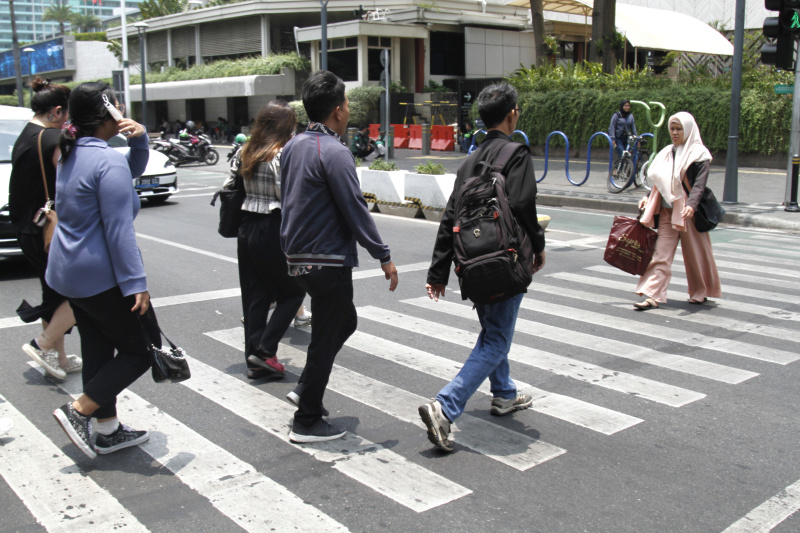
(760, 191)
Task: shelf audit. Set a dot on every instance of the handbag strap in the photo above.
(150, 317)
(41, 165)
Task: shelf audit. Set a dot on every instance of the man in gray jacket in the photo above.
(324, 215)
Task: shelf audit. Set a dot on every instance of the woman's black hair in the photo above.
(87, 113)
(621, 108)
(48, 95)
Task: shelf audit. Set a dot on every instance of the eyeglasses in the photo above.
(517, 109)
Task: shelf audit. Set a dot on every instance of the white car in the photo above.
(160, 179)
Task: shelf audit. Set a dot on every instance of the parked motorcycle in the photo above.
(190, 148)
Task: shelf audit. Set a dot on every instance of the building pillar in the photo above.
(266, 44)
(394, 60)
(170, 61)
(314, 56)
(363, 61)
(198, 50)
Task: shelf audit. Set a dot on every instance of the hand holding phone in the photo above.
(113, 111)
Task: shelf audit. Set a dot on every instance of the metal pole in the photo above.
(730, 194)
(126, 75)
(794, 140)
(323, 23)
(426, 139)
(17, 65)
(144, 87)
(791, 205)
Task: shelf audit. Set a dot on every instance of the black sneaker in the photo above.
(123, 437)
(294, 397)
(319, 432)
(78, 428)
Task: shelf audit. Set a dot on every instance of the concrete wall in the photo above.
(493, 53)
(216, 107)
(177, 110)
(93, 61)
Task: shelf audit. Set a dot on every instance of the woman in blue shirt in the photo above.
(95, 262)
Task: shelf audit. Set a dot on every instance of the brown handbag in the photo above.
(45, 217)
(630, 245)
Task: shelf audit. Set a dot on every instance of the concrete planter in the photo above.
(432, 190)
(387, 186)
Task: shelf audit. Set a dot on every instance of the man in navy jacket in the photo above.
(324, 215)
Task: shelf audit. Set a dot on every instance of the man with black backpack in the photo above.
(491, 230)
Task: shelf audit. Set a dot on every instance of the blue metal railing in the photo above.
(566, 159)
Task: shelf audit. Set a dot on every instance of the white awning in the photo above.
(649, 28)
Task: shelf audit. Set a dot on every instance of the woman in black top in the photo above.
(26, 197)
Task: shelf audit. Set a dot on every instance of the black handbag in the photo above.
(167, 364)
(230, 207)
(709, 212)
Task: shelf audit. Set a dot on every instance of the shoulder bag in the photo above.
(230, 207)
(45, 217)
(708, 213)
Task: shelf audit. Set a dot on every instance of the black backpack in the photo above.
(493, 253)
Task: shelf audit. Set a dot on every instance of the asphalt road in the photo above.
(681, 419)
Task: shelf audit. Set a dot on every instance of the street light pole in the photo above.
(126, 75)
(323, 24)
(141, 27)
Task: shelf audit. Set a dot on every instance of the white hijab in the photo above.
(666, 171)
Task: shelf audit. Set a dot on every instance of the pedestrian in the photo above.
(96, 263)
(50, 105)
(324, 215)
(622, 125)
(497, 105)
(263, 273)
(362, 145)
(687, 159)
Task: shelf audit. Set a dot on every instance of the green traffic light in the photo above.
(795, 20)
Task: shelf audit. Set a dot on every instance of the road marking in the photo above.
(769, 514)
(204, 188)
(55, 490)
(376, 272)
(368, 463)
(15, 322)
(695, 316)
(180, 299)
(563, 366)
(185, 247)
(509, 447)
(757, 258)
(234, 487)
(179, 195)
(565, 408)
(756, 248)
(667, 334)
(572, 337)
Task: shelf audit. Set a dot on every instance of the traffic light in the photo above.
(784, 29)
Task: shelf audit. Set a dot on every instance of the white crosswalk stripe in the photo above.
(55, 490)
(678, 363)
(603, 377)
(501, 444)
(234, 487)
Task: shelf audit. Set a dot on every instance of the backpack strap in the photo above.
(505, 154)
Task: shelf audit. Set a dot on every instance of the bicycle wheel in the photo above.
(620, 175)
(645, 183)
(644, 158)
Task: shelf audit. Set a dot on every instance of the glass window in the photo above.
(373, 41)
(447, 53)
(9, 131)
(344, 63)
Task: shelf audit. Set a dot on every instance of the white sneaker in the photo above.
(438, 425)
(302, 321)
(5, 425)
(47, 359)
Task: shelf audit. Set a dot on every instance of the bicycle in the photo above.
(622, 175)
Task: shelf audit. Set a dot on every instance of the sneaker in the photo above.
(74, 364)
(123, 437)
(48, 359)
(319, 432)
(269, 364)
(501, 406)
(5, 425)
(78, 428)
(294, 397)
(438, 425)
(302, 321)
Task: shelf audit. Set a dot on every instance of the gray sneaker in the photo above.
(48, 359)
(319, 432)
(78, 428)
(123, 437)
(294, 397)
(502, 407)
(438, 425)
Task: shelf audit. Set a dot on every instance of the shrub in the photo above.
(429, 167)
(300, 111)
(226, 68)
(8, 99)
(91, 36)
(364, 105)
(435, 87)
(382, 164)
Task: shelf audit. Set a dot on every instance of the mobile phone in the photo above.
(111, 109)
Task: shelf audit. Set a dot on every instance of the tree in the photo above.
(85, 21)
(61, 13)
(537, 19)
(158, 8)
(603, 34)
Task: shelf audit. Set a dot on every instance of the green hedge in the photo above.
(579, 113)
(363, 106)
(261, 65)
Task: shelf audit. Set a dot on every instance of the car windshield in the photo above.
(9, 131)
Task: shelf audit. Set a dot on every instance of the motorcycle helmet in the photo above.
(241, 138)
(190, 125)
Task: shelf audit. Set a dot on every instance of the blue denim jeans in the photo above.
(489, 359)
(622, 145)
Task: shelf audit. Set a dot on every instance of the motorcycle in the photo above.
(195, 148)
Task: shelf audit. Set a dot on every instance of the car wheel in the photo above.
(158, 200)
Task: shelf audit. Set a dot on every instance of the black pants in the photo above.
(263, 277)
(106, 323)
(32, 247)
(335, 319)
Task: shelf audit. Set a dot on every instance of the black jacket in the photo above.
(521, 190)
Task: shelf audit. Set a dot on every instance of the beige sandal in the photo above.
(647, 303)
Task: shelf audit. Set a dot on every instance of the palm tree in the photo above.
(61, 13)
(537, 20)
(85, 21)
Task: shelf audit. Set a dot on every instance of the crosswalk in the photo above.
(592, 364)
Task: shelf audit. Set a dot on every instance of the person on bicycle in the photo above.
(622, 125)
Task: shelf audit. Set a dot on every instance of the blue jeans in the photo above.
(622, 145)
(489, 359)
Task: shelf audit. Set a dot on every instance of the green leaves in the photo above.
(429, 167)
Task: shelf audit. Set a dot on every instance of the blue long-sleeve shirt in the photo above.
(94, 246)
(323, 211)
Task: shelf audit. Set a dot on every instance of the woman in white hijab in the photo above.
(687, 160)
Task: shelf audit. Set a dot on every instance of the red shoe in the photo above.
(269, 364)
